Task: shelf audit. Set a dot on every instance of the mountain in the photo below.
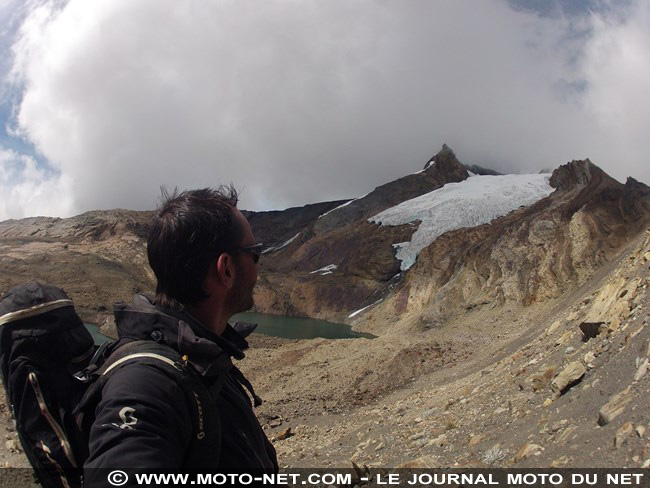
(343, 239)
(552, 244)
(510, 315)
(535, 253)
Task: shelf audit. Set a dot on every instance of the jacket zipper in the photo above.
(250, 446)
(244, 399)
(58, 431)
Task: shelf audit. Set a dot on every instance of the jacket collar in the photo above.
(208, 353)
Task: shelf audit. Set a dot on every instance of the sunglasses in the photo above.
(255, 250)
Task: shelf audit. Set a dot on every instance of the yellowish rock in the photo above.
(614, 407)
(573, 316)
(564, 338)
(613, 300)
(560, 462)
(541, 379)
(477, 439)
(623, 433)
(641, 370)
(527, 451)
(568, 377)
(566, 435)
(553, 327)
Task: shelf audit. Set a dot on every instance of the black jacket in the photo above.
(144, 418)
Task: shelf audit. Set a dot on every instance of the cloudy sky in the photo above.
(297, 101)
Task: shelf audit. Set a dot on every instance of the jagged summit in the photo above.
(447, 159)
(578, 173)
(446, 154)
(447, 169)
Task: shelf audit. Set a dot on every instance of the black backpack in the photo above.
(53, 374)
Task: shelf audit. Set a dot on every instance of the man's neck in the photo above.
(214, 321)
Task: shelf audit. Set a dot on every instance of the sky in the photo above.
(299, 101)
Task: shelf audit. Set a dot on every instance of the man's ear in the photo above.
(225, 268)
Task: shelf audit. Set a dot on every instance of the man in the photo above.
(203, 253)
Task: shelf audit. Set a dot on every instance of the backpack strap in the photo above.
(206, 438)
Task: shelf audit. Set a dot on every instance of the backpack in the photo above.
(53, 375)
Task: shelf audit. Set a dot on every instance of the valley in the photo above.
(480, 358)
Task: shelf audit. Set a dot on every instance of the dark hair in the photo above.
(189, 232)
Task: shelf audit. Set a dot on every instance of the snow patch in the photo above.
(336, 208)
(362, 309)
(475, 201)
(344, 205)
(284, 244)
(329, 269)
(426, 167)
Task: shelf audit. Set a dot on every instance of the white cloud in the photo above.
(617, 64)
(28, 190)
(299, 101)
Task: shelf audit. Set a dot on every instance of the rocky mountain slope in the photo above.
(531, 255)
(558, 384)
(535, 253)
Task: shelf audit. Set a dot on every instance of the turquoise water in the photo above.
(297, 328)
(98, 336)
(276, 326)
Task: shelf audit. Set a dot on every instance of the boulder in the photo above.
(477, 439)
(541, 379)
(285, 434)
(527, 451)
(614, 407)
(641, 370)
(623, 433)
(591, 330)
(569, 376)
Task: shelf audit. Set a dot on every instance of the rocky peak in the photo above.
(635, 201)
(444, 155)
(444, 160)
(632, 184)
(442, 168)
(576, 174)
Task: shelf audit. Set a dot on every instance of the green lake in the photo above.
(277, 326)
(97, 336)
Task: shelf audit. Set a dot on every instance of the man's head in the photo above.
(197, 247)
